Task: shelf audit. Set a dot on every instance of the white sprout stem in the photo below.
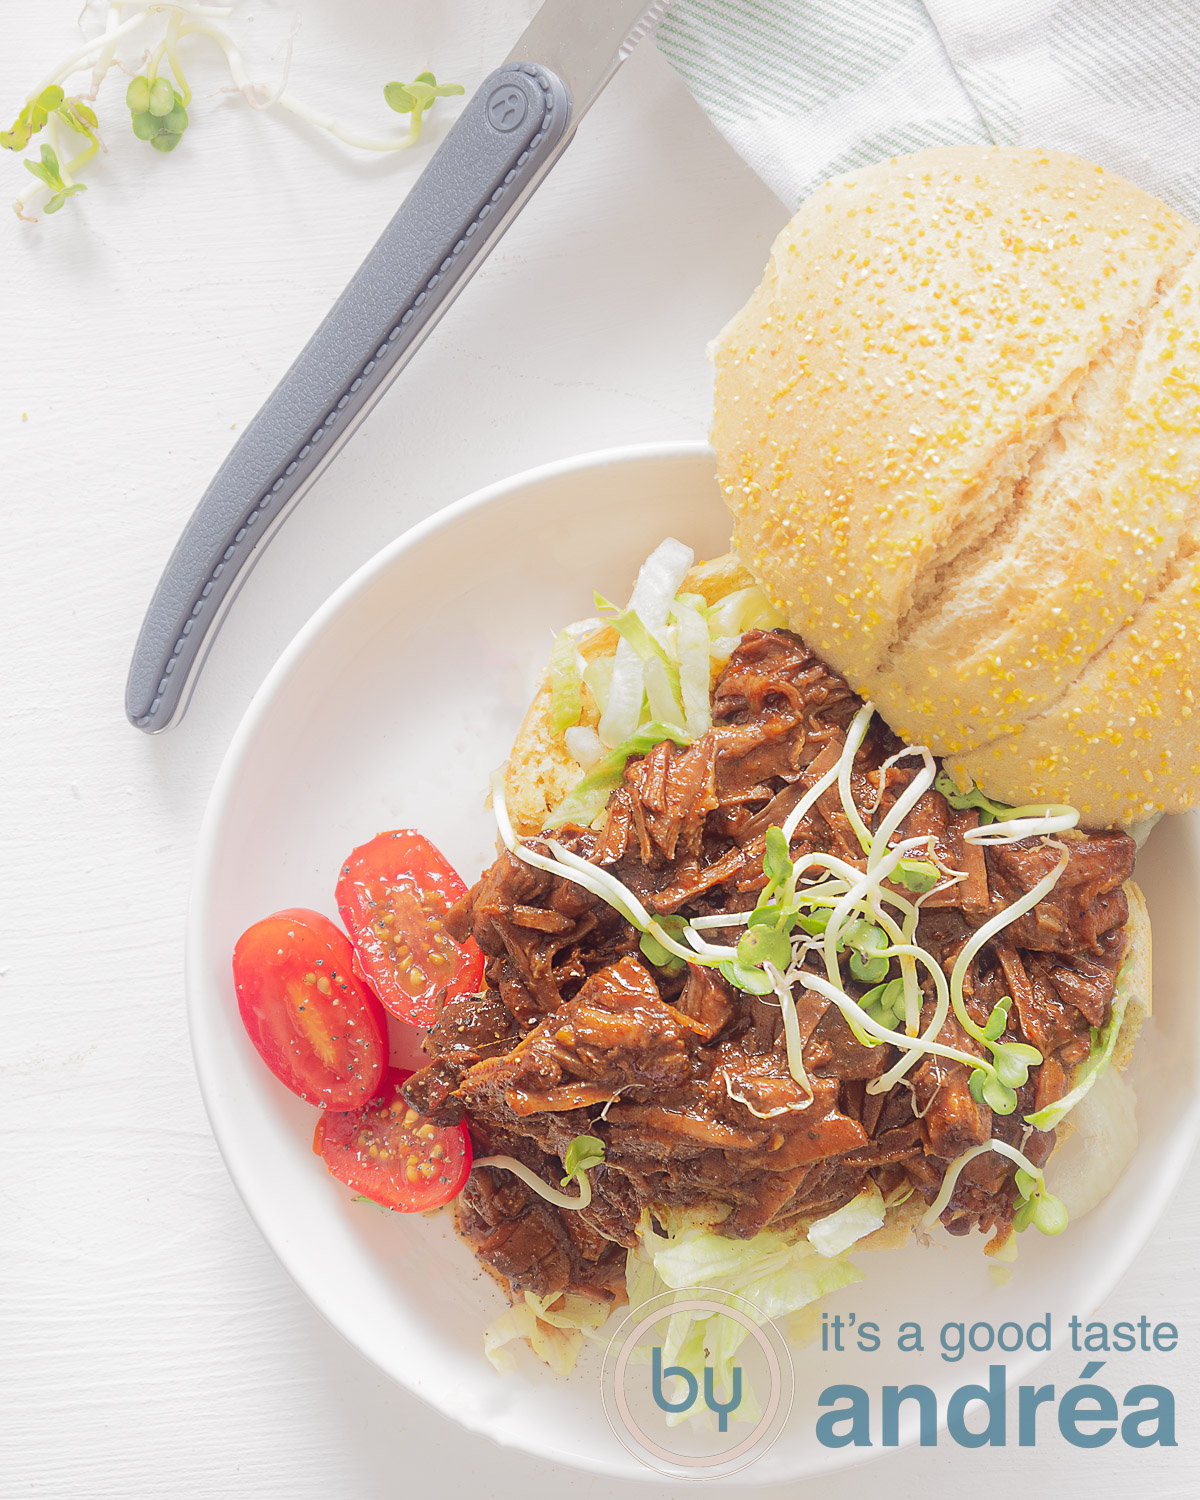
(289, 101)
(791, 1028)
(934, 1212)
(1057, 819)
(854, 738)
(762, 1114)
(919, 1045)
(845, 766)
(854, 896)
(855, 1014)
(610, 889)
(902, 950)
(707, 950)
(720, 919)
(108, 53)
(904, 804)
(171, 48)
(983, 934)
(542, 1189)
(110, 36)
(285, 99)
(579, 872)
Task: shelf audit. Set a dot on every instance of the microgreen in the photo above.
(1035, 1205)
(660, 957)
(765, 944)
(777, 861)
(865, 940)
(158, 106)
(989, 811)
(584, 1153)
(885, 1003)
(34, 114)
(415, 98)
(987, 1087)
(998, 1019)
(746, 977)
(916, 875)
(157, 110)
(47, 170)
(825, 903)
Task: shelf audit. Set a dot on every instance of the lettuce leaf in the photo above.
(775, 1275)
(839, 1230)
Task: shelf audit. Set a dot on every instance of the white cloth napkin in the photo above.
(804, 89)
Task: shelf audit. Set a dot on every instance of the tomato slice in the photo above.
(393, 896)
(318, 1028)
(392, 1154)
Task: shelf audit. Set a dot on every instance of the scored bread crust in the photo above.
(958, 425)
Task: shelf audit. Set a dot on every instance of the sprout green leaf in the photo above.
(762, 945)
(660, 957)
(745, 977)
(33, 117)
(157, 111)
(916, 875)
(777, 861)
(584, 1153)
(414, 99)
(989, 811)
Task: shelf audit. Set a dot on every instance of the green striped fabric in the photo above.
(804, 89)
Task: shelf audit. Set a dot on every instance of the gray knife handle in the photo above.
(503, 143)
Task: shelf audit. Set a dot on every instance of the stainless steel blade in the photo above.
(586, 41)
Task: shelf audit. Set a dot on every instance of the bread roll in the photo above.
(958, 425)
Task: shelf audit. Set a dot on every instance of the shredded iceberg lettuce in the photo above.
(555, 1328)
(775, 1275)
(837, 1231)
(658, 675)
(589, 796)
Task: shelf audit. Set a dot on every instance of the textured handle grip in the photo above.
(498, 150)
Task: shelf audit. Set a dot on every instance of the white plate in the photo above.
(389, 709)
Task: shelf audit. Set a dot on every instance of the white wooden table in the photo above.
(151, 1344)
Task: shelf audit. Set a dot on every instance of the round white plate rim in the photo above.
(201, 1018)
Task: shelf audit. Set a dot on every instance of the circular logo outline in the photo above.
(633, 1436)
(507, 107)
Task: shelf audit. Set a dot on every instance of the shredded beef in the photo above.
(686, 1079)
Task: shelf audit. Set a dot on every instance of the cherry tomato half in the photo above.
(392, 1154)
(393, 896)
(318, 1028)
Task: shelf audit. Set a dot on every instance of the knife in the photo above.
(512, 131)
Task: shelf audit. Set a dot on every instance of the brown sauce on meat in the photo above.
(685, 1078)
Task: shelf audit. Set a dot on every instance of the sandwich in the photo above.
(814, 923)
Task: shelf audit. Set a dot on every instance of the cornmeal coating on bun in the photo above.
(958, 425)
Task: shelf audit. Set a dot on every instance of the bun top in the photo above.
(958, 425)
